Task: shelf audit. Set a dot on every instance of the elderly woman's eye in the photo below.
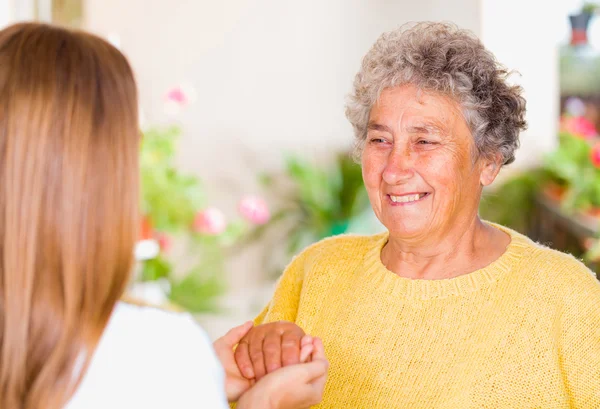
(425, 142)
(377, 140)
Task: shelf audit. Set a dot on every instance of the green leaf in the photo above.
(171, 199)
(155, 269)
(233, 232)
(593, 254)
(197, 292)
(324, 200)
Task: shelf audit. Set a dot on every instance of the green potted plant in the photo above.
(313, 202)
(176, 213)
(569, 178)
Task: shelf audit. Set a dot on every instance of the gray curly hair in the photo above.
(442, 58)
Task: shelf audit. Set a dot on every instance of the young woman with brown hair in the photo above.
(69, 142)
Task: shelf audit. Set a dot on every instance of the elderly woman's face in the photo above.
(418, 164)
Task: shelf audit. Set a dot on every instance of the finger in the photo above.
(257, 357)
(319, 356)
(305, 353)
(306, 340)
(272, 351)
(243, 361)
(290, 348)
(319, 350)
(313, 370)
(306, 348)
(233, 336)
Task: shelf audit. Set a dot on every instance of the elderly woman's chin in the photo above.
(415, 223)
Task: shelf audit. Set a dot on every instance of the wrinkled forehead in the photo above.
(408, 106)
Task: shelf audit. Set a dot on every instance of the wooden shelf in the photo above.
(554, 227)
(581, 225)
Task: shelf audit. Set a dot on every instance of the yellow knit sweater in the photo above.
(524, 332)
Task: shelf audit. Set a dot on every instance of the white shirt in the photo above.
(151, 359)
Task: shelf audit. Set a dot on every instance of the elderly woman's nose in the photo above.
(399, 167)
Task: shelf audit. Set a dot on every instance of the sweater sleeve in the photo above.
(284, 304)
(580, 349)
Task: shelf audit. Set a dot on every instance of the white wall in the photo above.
(5, 13)
(525, 38)
(271, 75)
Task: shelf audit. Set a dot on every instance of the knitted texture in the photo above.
(523, 332)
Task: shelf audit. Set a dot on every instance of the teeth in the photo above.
(405, 198)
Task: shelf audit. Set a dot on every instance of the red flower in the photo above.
(146, 231)
(595, 155)
(579, 126)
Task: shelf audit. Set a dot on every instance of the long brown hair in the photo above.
(68, 205)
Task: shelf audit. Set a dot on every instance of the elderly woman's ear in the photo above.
(490, 167)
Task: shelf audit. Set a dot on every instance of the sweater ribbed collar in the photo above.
(376, 272)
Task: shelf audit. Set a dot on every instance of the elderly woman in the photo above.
(443, 310)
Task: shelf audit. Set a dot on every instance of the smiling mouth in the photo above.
(410, 198)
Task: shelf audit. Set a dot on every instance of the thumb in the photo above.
(233, 336)
(313, 370)
(319, 360)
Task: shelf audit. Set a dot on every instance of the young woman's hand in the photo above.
(235, 383)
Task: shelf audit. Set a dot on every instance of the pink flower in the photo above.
(164, 241)
(210, 221)
(178, 98)
(595, 155)
(579, 126)
(254, 209)
(177, 95)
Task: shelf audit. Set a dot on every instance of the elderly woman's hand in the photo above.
(294, 387)
(268, 347)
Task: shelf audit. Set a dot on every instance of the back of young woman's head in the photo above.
(68, 205)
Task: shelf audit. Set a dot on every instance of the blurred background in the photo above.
(245, 154)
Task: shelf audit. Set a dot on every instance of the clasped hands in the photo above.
(275, 366)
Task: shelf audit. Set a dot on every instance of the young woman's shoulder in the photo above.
(152, 358)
